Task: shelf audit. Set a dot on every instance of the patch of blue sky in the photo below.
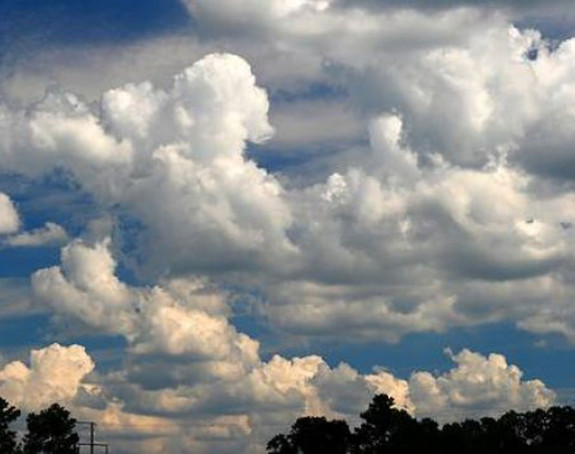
(128, 230)
(537, 356)
(36, 198)
(19, 334)
(283, 162)
(22, 331)
(69, 22)
(321, 90)
(20, 262)
(107, 351)
(552, 28)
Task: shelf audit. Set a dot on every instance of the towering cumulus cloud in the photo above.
(175, 159)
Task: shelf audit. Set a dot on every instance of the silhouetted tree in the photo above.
(510, 433)
(385, 429)
(428, 437)
(536, 425)
(52, 431)
(390, 430)
(313, 435)
(561, 427)
(8, 441)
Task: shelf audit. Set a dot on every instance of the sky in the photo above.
(218, 216)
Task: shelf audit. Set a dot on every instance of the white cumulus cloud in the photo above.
(54, 374)
(9, 218)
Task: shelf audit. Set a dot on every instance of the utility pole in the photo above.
(92, 444)
(92, 429)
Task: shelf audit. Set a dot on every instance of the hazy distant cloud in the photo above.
(306, 125)
(15, 297)
(522, 4)
(50, 234)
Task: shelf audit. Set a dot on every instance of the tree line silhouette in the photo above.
(51, 431)
(389, 430)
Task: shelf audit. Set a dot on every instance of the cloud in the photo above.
(185, 362)
(9, 218)
(306, 124)
(411, 204)
(181, 319)
(273, 394)
(478, 386)
(50, 234)
(16, 298)
(255, 11)
(445, 4)
(366, 236)
(172, 158)
(55, 374)
(252, 408)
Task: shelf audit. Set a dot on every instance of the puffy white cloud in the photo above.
(175, 159)
(9, 218)
(463, 67)
(184, 319)
(479, 385)
(397, 246)
(55, 374)
(87, 287)
(419, 214)
(61, 132)
(388, 238)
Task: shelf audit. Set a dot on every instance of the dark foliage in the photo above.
(8, 441)
(317, 435)
(389, 430)
(52, 431)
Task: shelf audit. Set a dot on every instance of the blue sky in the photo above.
(242, 212)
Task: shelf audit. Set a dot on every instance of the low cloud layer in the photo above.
(259, 401)
(185, 361)
(50, 234)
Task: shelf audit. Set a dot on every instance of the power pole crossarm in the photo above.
(92, 443)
